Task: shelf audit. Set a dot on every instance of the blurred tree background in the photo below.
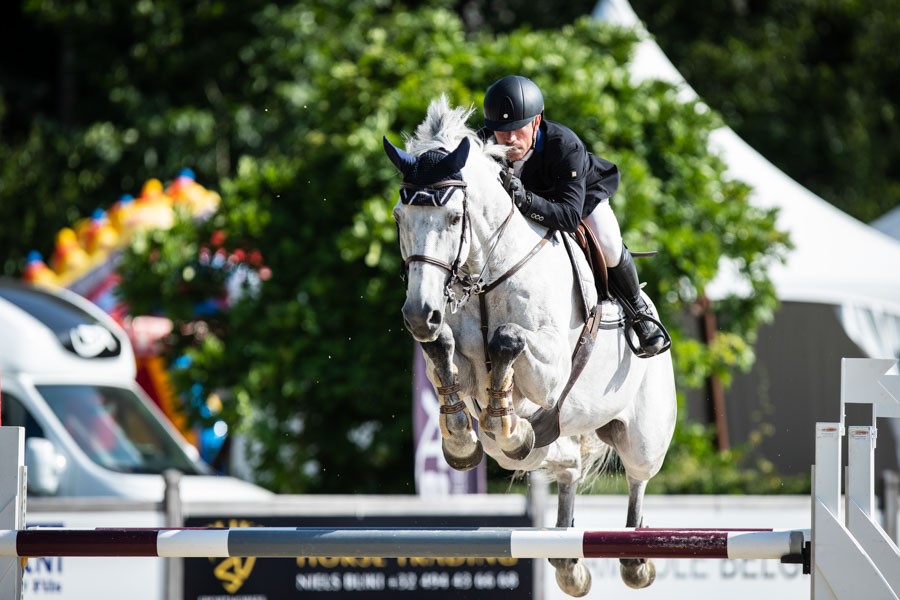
(814, 86)
(280, 106)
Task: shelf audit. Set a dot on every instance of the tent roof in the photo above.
(889, 223)
(837, 259)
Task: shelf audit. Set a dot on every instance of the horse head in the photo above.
(432, 222)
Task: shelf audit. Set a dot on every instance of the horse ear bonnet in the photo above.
(431, 167)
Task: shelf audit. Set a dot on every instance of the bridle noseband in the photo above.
(453, 270)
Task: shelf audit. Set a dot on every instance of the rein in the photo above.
(483, 290)
(471, 285)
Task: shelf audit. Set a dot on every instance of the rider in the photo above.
(557, 183)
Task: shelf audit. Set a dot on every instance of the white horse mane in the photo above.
(443, 128)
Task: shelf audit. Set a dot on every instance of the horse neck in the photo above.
(511, 240)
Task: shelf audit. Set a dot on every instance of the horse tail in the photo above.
(597, 459)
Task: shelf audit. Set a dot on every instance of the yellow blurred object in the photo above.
(119, 214)
(68, 257)
(37, 272)
(101, 237)
(185, 191)
(82, 229)
(152, 209)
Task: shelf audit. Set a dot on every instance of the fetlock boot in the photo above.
(624, 283)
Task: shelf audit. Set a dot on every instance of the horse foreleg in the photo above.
(513, 434)
(572, 575)
(461, 447)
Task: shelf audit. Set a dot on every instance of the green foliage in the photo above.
(808, 84)
(693, 466)
(285, 121)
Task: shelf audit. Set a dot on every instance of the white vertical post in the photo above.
(827, 484)
(861, 518)
(861, 468)
(12, 504)
(826, 495)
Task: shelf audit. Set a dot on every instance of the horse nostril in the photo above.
(435, 318)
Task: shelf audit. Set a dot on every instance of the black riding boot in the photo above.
(624, 283)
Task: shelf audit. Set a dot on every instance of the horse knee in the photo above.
(507, 343)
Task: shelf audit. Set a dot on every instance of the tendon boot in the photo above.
(624, 284)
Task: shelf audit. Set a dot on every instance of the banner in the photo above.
(434, 477)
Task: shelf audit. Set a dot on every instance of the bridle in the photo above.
(470, 283)
(452, 269)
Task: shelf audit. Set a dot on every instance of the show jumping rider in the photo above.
(558, 183)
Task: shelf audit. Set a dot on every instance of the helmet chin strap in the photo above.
(534, 132)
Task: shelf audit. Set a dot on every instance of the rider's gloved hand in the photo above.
(520, 197)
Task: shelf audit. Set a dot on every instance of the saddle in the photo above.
(586, 240)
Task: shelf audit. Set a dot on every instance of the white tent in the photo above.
(838, 262)
(837, 259)
(889, 223)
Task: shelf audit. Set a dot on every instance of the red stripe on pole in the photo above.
(656, 543)
(73, 542)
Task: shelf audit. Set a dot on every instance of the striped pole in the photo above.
(396, 543)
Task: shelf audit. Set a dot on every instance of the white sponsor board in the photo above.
(137, 578)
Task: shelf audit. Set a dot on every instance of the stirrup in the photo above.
(632, 319)
(631, 322)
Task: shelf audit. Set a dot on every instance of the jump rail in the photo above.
(395, 543)
(848, 555)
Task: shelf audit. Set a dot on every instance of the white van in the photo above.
(67, 373)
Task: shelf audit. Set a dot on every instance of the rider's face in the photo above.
(520, 140)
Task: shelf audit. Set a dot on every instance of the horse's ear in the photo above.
(456, 160)
(403, 161)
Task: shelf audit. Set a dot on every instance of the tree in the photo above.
(287, 125)
(808, 84)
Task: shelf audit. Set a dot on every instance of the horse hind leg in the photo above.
(514, 435)
(462, 448)
(572, 575)
(641, 450)
(637, 573)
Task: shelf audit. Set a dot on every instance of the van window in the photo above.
(16, 415)
(115, 429)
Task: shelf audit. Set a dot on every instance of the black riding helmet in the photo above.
(512, 102)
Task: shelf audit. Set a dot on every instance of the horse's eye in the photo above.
(455, 220)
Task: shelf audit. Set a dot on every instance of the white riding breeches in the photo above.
(605, 226)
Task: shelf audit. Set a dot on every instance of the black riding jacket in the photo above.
(565, 180)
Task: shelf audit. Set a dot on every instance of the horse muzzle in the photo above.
(423, 321)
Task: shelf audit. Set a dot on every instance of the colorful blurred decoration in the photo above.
(220, 278)
(153, 209)
(37, 271)
(86, 257)
(69, 259)
(185, 191)
(98, 236)
(93, 241)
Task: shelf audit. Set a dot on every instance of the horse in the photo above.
(506, 359)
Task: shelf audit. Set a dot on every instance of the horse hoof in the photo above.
(522, 452)
(574, 579)
(465, 463)
(637, 574)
